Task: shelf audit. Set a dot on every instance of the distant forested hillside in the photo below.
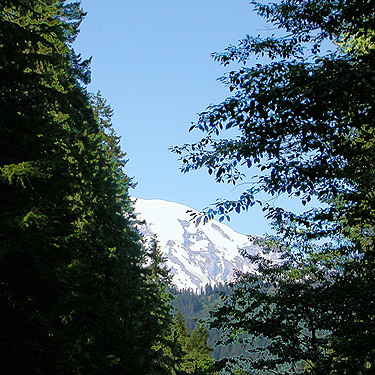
(196, 307)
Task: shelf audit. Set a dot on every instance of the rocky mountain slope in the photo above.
(197, 255)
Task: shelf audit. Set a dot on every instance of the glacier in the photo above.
(196, 255)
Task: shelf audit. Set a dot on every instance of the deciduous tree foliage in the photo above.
(72, 281)
(305, 119)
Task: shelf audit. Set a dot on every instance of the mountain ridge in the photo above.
(196, 255)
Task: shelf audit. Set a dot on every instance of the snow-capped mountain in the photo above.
(197, 255)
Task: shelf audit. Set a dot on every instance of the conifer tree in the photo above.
(190, 351)
(70, 260)
(198, 354)
(157, 301)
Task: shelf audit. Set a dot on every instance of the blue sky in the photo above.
(151, 60)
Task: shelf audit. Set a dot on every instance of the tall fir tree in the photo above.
(158, 302)
(198, 357)
(71, 271)
(190, 350)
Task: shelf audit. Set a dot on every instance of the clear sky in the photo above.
(151, 60)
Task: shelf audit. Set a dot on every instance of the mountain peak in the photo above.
(197, 255)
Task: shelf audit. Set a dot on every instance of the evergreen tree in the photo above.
(70, 261)
(180, 336)
(191, 353)
(157, 300)
(159, 272)
(180, 331)
(198, 353)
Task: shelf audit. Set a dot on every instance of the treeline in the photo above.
(196, 307)
(80, 292)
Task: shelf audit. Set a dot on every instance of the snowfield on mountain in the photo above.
(197, 255)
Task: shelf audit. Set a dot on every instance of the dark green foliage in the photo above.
(305, 119)
(298, 135)
(191, 352)
(74, 293)
(198, 353)
(195, 308)
(312, 312)
(157, 305)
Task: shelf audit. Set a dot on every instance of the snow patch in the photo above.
(197, 255)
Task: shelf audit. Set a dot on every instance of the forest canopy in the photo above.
(82, 293)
